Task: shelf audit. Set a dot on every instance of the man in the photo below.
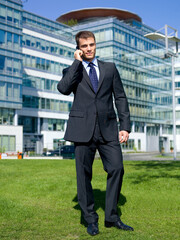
(92, 125)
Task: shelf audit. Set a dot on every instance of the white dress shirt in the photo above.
(94, 61)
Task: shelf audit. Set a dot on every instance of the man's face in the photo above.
(88, 46)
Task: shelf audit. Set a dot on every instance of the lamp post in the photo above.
(169, 54)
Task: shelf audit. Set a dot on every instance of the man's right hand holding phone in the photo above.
(78, 54)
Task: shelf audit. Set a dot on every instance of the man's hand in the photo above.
(77, 55)
(123, 136)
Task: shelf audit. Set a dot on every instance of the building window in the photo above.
(44, 103)
(28, 43)
(2, 90)
(16, 66)
(16, 92)
(56, 124)
(139, 127)
(2, 37)
(9, 65)
(177, 84)
(152, 130)
(17, 16)
(178, 130)
(167, 129)
(129, 145)
(2, 62)
(9, 39)
(16, 41)
(9, 14)
(9, 90)
(6, 116)
(29, 124)
(7, 143)
(2, 12)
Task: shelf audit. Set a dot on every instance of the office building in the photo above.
(34, 51)
(146, 76)
(11, 135)
(177, 94)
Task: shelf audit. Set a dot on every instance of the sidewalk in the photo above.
(149, 156)
(37, 157)
(146, 156)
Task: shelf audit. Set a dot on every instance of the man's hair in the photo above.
(85, 35)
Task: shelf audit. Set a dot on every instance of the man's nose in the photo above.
(89, 47)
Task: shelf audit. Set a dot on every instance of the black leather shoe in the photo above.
(93, 229)
(118, 224)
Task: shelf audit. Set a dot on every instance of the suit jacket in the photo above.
(88, 105)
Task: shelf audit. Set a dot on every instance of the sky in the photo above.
(154, 13)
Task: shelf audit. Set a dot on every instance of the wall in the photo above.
(48, 137)
(16, 131)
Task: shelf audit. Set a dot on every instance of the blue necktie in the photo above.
(93, 76)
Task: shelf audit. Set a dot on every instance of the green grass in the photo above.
(38, 201)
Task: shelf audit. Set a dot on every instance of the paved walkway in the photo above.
(149, 156)
(146, 156)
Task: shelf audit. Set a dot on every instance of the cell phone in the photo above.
(77, 48)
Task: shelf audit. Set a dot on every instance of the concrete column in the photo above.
(133, 127)
(65, 125)
(38, 126)
(160, 130)
(145, 128)
(146, 137)
(15, 118)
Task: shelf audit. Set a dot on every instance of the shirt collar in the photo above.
(94, 61)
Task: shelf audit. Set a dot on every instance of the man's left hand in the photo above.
(123, 136)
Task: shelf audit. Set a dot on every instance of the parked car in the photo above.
(68, 151)
(55, 152)
(48, 153)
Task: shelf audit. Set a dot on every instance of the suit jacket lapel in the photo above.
(85, 75)
(101, 73)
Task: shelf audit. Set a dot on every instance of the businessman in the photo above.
(93, 125)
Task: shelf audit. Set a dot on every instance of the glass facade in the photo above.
(43, 64)
(177, 92)
(47, 46)
(145, 75)
(46, 25)
(35, 50)
(40, 83)
(47, 50)
(46, 103)
(11, 60)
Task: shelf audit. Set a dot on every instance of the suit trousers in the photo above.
(111, 155)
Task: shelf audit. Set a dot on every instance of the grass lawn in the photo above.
(38, 201)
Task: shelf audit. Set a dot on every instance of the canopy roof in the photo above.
(84, 14)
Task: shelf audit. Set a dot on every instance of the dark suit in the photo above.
(92, 125)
